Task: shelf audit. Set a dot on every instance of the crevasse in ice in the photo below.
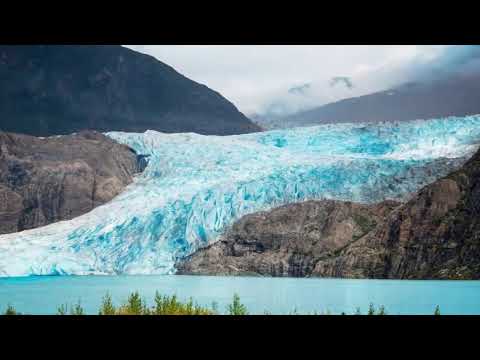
(195, 186)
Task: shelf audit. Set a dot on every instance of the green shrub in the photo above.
(62, 309)
(294, 312)
(10, 310)
(364, 223)
(77, 309)
(371, 309)
(107, 307)
(236, 307)
(170, 305)
(215, 307)
(134, 306)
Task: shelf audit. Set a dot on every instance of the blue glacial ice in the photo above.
(195, 186)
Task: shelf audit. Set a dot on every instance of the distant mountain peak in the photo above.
(345, 80)
(300, 90)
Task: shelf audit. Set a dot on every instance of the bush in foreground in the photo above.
(236, 307)
(171, 305)
(164, 305)
(10, 310)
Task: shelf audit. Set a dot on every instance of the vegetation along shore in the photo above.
(135, 304)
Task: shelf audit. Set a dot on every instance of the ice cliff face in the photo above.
(195, 186)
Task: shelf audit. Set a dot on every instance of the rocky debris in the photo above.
(434, 235)
(44, 180)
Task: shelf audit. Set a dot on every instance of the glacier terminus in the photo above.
(195, 186)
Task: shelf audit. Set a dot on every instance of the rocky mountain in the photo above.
(44, 180)
(457, 95)
(435, 235)
(59, 89)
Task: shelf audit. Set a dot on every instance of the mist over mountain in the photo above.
(60, 89)
(445, 86)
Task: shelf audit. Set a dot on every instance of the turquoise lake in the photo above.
(43, 294)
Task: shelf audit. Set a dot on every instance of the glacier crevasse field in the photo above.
(195, 186)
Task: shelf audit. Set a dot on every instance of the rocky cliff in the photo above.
(286, 241)
(59, 89)
(435, 235)
(43, 180)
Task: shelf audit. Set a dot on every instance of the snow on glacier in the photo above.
(195, 186)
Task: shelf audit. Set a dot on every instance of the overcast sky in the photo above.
(257, 79)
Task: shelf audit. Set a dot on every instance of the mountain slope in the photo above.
(60, 89)
(457, 95)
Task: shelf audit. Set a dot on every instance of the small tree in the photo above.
(167, 305)
(134, 305)
(236, 307)
(295, 311)
(381, 311)
(190, 308)
(170, 305)
(62, 309)
(159, 308)
(107, 307)
(77, 309)
(357, 311)
(371, 309)
(437, 310)
(214, 307)
(10, 310)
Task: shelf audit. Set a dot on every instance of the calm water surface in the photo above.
(42, 295)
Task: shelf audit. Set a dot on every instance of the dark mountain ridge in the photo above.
(60, 89)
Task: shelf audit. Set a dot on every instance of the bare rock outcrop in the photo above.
(286, 241)
(44, 180)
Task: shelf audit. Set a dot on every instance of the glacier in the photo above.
(195, 186)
